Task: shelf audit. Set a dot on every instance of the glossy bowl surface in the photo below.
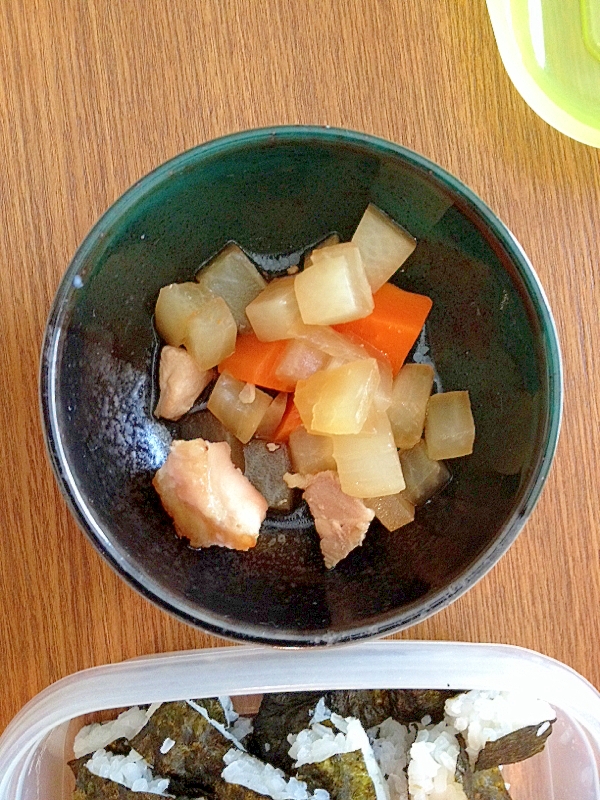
(274, 191)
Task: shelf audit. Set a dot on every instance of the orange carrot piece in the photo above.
(255, 362)
(395, 323)
(289, 422)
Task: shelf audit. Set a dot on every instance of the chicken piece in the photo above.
(341, 521)
(209, 499)
(180, 381)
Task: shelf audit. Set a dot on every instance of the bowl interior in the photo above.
(275, 193)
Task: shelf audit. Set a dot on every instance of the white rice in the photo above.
(391, 742)
(320, 742)
(131, 771)
(484, 717)
(230, 714)
(264, 779)
(241, 728)
(432, 764)
(221, 728)
(321, 712)
(167, 745)
(100, 734)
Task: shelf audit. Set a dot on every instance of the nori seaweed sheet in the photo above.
(370, 706)
(92, 787)
(411, 705)
(486, 784)
(513, 747)
(290, 712)
(279, 715)
(344, 776)
(231, 791)
(195, 761)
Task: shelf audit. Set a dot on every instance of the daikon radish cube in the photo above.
(300, 360)
(449, 425)
(274, 312)
(340, 348)
(392, 511)
(239, 417)
(368, 465)
(334, 288)
(384, 245)
(272, 418)
(232, 276)
(337, 401)
(423, 477)
(175, 305)
(330, 240)
(310, 453)
(410, 395)
(210, 333)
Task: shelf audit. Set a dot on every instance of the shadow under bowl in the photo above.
(274, 191)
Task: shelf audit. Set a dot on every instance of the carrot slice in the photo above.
(395, 323)
(255, 362)
(289, 422)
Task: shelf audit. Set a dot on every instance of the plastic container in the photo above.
(35, 747)
(551, 51)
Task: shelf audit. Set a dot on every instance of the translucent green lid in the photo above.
(551, 51)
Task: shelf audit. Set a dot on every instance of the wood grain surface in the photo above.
(95, 94)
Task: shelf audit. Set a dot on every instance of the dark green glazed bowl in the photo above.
(274, 191)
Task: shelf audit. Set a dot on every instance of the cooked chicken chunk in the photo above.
(209, 499)
(180, 381)
(341, 521)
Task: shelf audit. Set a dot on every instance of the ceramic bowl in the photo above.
(274, 191)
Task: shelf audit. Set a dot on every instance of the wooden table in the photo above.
(93, 95)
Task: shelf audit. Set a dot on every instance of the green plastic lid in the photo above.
(551, 51)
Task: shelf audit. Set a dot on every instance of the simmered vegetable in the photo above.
(310, 453)
(272, 418)
(423, 477)
(175, 305)
(368, 465)
(383, 244)
(210, 333)
(449, 425)
(238, 415)
(265, 468)
(274, 313)
(410, 395)
(334, 288)
(289, 422)
(232, 276)
(300, 360)
(256, 362)
(395, 324)
(393, 510)
(331, 338)
(337, 401)
(204, 425)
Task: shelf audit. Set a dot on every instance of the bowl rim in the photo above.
(415, 612)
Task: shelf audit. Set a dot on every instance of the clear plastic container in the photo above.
(551, 51)
(36, 745)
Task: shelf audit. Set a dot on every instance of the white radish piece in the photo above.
(449, 426)
(239, 417)
(410, 394)
(232, 276)
(210, 333)
(334, 288)
(175, 305)
(384, 245)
